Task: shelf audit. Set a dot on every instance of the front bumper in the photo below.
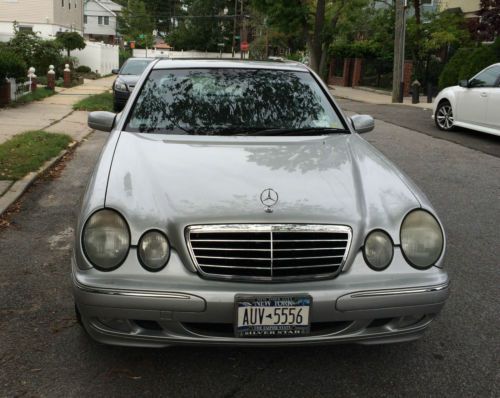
(360, 305)
(121, 98)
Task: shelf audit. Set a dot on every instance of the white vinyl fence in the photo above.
(18, 89)
(141, 53)
(101, 58)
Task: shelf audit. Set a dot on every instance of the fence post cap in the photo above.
(66, 68)
(51, 70)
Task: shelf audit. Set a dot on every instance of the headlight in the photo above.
(106, 239)
(153, 250)
(378, 250)
(421, 239)
(120, 86)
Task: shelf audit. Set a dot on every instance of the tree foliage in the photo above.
(135, 23)
(11, 64)
(204, 26)
(488, 26)
(318, 20)
(466, 62)
(71, 41)
(36, 52)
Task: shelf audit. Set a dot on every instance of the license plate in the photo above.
(285, 316)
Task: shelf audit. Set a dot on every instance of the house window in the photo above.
(99, 20)
(106, 20)
(62, 3)
(85, 19)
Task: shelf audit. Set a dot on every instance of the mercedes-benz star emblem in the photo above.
(269, 197)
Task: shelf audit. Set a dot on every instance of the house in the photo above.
(44, 17)
(426, 6)
(100, 20)
(468, 7)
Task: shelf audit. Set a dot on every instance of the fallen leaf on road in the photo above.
(121, 372)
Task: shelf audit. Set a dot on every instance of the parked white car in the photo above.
(473, 104)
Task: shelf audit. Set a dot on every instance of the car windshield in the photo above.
(135, 67)
(233, 102)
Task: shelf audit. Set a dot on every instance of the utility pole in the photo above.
(243, 31)
(399, 52)
(234, 25)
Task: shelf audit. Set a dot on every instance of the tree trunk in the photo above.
(315, 43)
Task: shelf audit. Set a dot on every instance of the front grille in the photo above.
(268, 252)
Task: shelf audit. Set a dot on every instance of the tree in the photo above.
(35, 51)
(204, 26)
(71, 41)
(317, 20)
(440, 32)
(488, 27)
(136, 24)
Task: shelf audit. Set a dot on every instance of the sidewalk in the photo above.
(53, 114)
(372, 96)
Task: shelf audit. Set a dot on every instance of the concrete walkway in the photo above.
(53, 114)
(372, 96)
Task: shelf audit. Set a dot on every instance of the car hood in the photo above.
(129, 79)
(170, 182)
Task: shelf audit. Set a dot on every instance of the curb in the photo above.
(16, 190)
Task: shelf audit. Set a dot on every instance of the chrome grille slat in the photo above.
(268, 252)
(229, 249)
(230, 266)
(238, 258)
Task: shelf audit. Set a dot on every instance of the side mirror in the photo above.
(362, 123)
(464, 83)
(115, 71)
(103, 121)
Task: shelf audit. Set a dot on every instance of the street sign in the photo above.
(244, 46)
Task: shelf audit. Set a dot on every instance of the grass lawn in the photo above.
(28, 151)
(36, 95)
(99, 102)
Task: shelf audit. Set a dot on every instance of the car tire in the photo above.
(444, 116)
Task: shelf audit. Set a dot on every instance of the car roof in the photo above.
(140, 59)
(229, 64)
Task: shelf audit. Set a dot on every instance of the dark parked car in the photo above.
(128, 76)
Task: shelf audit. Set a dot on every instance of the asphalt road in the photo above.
(44, 352)
(420, 119)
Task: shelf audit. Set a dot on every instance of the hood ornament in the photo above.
(269, 197)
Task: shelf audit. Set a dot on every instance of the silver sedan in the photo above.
(235, 204)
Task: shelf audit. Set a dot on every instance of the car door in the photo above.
(493, 109)
(472, 102)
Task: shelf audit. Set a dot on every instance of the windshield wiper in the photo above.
(296, 131)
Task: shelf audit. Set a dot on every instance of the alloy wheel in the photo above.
(444, 117)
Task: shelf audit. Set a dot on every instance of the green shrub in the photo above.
(83, 69)
(124, 55)
(467, 62)
(11, 65)
(451, 72)
(35, 51)
(478, 59)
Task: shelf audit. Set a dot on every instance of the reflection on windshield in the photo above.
(135, 67)
(230, 101)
